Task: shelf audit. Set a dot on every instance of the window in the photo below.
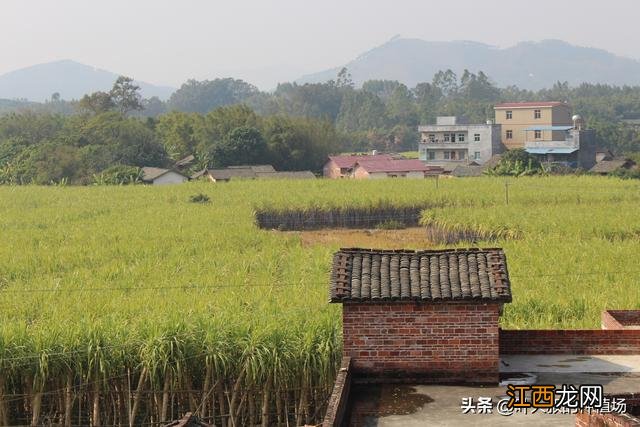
(461, 137)
(462, 155)
(476, 137)
(453, 155)
(446, 155)
(509, 134)
(446, 137)
(476, 155)
(537, 134)
(432, 137)
(537, 114)
(509, 114)
(431, 155)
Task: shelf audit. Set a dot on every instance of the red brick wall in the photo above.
(429, 342)
(575, 341)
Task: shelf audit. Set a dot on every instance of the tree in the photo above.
(296, 143)
(517, 162)
(344, 79)
(96, 103)
(202, 97)
(361, 110)
(126, 95)
(242, 146)
(119, 175)
(177, 132)
(383, 89)
(401, 107)
(446, 82)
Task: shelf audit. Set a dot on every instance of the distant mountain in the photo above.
(70, 79)
(529, 65)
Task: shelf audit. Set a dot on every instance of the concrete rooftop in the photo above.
(390, 405)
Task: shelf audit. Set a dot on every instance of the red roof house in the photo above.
(393, 168)
(342, 166)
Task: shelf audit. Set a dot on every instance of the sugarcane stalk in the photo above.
(68, 400)
(4, 410)
(165, 396)
(235, 393)
(36, 403)
(205, 390)
(266, 399)
(221, 400)
(95, 417)
(136, 398)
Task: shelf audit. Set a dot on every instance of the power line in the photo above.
(276, 285)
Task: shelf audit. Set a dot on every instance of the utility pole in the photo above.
(506, 191)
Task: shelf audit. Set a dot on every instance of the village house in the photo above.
(455, 142)
(431, 315)
(184, 163)
(159, 176)
(548, 131)
(605, 167)
(515, 118)
(342, 166)
(405, 168)
(250, 172)
(416, 320)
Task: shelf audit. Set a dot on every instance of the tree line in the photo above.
(228, 121)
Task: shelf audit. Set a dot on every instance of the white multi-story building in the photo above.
(453, 140)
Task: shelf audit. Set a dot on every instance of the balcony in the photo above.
(445, 144)
(568, 143)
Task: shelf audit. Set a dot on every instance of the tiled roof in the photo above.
(186, 161)
(529, 104)
(392, 165)
(371, 275)
(225, 174)
(149, 173)
(286, 175)
(255, 168)
(468, 170)
(350, 161)
(607, 166)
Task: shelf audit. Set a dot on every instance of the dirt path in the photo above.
(409, 238)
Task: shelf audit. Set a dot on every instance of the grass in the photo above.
(101, 282)
(410, 154)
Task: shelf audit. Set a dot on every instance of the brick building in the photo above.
(429, 315)
(342, 166)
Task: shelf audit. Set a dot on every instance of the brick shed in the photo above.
(430, 316)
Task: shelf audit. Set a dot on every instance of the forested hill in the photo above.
(70, 79)
(528, 65)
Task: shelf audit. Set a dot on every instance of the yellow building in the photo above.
(530, 122)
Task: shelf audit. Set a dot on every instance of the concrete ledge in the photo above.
(337, 406)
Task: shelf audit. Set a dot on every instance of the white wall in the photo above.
(170, 178)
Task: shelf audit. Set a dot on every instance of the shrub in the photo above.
(119, 175)
(199, 198)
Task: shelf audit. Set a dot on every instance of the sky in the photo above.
(266, 41)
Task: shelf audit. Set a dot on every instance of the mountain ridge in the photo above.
(529, 64)
(69, 78)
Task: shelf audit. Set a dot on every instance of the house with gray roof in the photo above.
(160, 176)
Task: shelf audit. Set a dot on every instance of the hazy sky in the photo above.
(167, 42)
